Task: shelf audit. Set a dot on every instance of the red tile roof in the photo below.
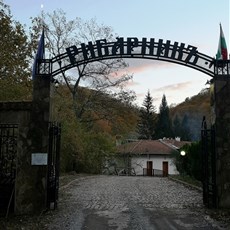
(155, 147)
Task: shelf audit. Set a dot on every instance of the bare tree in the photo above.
(102, 77)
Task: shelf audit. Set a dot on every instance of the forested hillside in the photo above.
(90, 138)
(192, 111)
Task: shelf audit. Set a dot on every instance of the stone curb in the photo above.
(186, 184)
(79, 177)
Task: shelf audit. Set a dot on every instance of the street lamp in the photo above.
(183, 153)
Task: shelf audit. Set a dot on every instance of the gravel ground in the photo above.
(112, 202)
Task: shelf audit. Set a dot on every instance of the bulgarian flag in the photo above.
(222, 52)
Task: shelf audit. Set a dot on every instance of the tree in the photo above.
(191, 163)
(185, 133)
(146, 124)
(164, 123)
(84, 149)
(15, 57)
(177, 127)
(101, 76)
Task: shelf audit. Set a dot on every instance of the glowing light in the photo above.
(182, 153)
(42, 6)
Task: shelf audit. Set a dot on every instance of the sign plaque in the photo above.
(39, 159)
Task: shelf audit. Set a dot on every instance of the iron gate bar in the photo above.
(209, 166)
(213, 168)
(53, 164)
(8, 150)
(8, 155)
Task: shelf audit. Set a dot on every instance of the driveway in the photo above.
(123, 203)
(112, 202)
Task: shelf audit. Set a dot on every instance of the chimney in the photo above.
(177, 139)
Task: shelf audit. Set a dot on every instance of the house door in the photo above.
(149, 168)
(165, 168)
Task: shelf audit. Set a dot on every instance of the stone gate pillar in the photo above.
(31, 179)
(222, 127)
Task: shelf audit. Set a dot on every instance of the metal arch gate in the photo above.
(209, 166)
(162, 51)
(8, 156)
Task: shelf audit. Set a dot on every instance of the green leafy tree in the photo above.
(164, 128)
(146, 124)
(191, 163)
(97, 148)
(15, 57)
(84, 149)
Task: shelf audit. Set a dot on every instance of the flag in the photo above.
(222, 52)
(40, 52)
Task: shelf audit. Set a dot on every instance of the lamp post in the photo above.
(183, 153)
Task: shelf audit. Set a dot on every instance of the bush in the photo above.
(191, 163)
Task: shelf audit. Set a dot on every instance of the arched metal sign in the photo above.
(132, 47)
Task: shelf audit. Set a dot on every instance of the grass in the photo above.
(188, 180)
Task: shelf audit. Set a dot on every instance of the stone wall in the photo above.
(30, 184)
(33, 122)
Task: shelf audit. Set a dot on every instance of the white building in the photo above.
(149, 157)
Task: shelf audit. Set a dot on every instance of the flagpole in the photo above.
(42, 14)
(43, 25)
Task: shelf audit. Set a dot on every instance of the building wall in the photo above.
(140, 162)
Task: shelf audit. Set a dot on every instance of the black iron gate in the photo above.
(8, 154)
(53, 164)
(209, 166)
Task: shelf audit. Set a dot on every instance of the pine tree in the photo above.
(146, 124)
(164, 128)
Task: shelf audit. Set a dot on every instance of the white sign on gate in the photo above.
(39, 159)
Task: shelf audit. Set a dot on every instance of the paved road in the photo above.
(129, 203)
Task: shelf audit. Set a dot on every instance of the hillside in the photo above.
(194, 108)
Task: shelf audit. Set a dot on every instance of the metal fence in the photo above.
(8, 156)
(155, 172)
(209, 166)
(53, 164)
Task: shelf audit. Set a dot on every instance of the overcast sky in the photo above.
(193, 22)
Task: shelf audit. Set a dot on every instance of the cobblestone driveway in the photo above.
(112, 202)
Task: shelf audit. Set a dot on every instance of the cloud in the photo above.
(174, 87)
(131, 83)
(142, 65)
